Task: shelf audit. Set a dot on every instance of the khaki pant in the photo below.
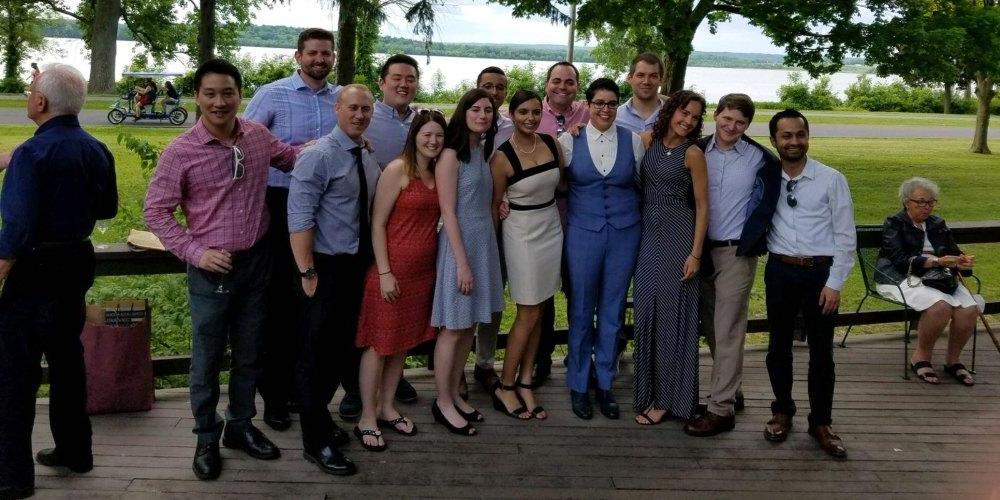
(725, 299)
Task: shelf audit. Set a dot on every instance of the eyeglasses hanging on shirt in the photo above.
(790, 198)
(238, 168)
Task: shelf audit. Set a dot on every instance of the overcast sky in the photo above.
(477, 21)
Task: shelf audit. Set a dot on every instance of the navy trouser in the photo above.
(227, 309)
(791, 289)
(277, 380)
(42, 312)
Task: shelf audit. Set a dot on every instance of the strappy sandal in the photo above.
(520, 413)
(536, 411)
(926, 376)
(361, 433)
(960, 373)
(649, 419)
(395, 422)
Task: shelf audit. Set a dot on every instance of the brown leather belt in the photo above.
(802, 261)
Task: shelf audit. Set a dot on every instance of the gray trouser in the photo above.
(486, 341)
(725, 298)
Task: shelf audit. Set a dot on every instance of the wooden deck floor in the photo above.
(905, 438)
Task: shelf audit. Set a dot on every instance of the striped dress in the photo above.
(666, 309)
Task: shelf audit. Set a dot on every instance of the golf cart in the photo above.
(159, 107)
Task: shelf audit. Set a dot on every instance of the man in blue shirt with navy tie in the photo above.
(58, 183)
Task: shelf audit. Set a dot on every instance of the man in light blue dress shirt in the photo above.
(639, 113)
(811, 245)
(399, 80)
(329, 208)
(296, 109)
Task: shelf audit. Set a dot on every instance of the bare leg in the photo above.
(463, 348)
(391, 373)
(369, 378)
(932, 323)
(528, 359)
(518, 341)
(963, 321)
(445, 352)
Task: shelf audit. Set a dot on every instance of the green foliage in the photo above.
(439, 93)
(898, 96)
(140, 62)
(12, 86)
(798, 94)
(20, 30)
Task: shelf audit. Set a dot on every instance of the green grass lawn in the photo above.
(970, 186)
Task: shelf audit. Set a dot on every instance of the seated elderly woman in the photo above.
(917, 263)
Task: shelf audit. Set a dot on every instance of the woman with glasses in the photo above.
(396, 312)
(526, 172)
(917, 264)
(673, 232)
(468, 289)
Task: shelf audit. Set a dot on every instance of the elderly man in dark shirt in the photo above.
(58, 183)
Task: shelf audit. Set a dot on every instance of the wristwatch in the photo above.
(308, 273)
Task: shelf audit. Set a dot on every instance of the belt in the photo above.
(802, 261)
(515, 206)
(723, 243)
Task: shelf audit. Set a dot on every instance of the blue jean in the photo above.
(234, 314)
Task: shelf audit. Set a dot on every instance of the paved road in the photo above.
(98, 117)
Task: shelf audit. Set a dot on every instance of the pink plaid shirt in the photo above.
(196, 172)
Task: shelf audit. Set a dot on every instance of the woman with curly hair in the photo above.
(674, 187)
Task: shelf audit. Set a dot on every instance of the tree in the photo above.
(934, 41)
(816, 34)
(20, 30)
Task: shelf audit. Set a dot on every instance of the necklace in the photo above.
(670, 150)
(534, 144)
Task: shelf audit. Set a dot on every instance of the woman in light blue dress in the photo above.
(468, 288)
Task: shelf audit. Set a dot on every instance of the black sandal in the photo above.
(925, 376)
(361, 433)
(964, 378)
(536, 411)
(396, 421)
(519, 413)
(649, 419)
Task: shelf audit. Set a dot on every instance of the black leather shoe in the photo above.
(251, 441)
(207, 461)
(350, 406)
(338, 437)
(50, 457)
(405, 393)
(581, 405)
(14, 492)
(606, 402)
(741, 402)
(542, 373)
(277, 421)
(331, 461)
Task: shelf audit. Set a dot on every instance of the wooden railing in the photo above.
(119, 260)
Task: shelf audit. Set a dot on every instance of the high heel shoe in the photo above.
(472, 416)
(537, 410)
(467, 430)
(520, 413)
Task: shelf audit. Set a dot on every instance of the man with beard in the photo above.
(811, 245)
(743, 182)
(639, 113)
(296, 109)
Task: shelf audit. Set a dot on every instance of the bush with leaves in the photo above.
(797, 93)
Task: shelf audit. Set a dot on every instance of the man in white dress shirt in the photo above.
(811, 245)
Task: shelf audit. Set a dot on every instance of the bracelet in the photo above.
(693, 256)
(385, 273)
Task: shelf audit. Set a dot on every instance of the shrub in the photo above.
(798, 94)
(12, 86)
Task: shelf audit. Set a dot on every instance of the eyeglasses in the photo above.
(790, 198)
(924, 203)
(238, 168)
(604, 104)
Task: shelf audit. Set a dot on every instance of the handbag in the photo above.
(116, 352)
(938, 278)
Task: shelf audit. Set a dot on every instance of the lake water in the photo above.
(760, 84)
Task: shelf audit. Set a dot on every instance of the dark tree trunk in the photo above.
(347, 37)
(104, 45)
(206, 31)
(674, 73)
(949, 90)
(984, 93)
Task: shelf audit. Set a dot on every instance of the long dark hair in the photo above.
(522, 96)
(678, 100)
(456, 136)
(409, 155)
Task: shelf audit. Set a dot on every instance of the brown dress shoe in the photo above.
(778, 427)
(709, 424)
(828, 441)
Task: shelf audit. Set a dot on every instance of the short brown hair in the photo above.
(648, 58)
(315, 34)
(739, 102)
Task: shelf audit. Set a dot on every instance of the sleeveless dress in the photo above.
(473, 208)
(411, 240)
(532, 233)
(666, 309)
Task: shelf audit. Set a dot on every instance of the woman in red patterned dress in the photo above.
(399, 288)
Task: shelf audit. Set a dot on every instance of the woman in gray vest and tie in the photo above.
(601, 243)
